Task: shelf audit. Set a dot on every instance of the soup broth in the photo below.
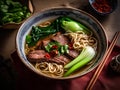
(53, 44)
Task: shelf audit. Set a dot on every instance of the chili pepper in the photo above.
(70, 45)
(47, 55)
(54, 47)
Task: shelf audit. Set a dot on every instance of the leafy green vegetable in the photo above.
(12, 11)
(88, 50)
(38, 32)
(85, 56)
(73, 26)
(28, 38)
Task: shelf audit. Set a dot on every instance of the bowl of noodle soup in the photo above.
(45, 46)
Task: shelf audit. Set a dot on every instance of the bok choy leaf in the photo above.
(85, 57)
(71, 25)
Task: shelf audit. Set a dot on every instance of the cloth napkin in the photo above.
(27, 80)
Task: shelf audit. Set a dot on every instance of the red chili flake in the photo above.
(54, 46)
(102, 5)
(70, 45)
(47, 55)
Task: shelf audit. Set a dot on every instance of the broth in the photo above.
(50, 46)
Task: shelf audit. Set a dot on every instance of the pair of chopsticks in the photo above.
(100, 67)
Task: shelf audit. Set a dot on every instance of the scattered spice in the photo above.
(102, 5)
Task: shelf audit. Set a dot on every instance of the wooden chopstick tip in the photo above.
(100, 67)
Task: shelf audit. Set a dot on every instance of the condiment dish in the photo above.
(13, 18)
(103, 7)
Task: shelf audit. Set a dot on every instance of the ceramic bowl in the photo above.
(14, 25)
(103, 7)
(52, 13)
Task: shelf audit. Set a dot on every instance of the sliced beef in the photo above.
(73, 53)
(36, 56)
(39, 56)
(61, 59)
(60, 38)
(45, 42)
(58, 59)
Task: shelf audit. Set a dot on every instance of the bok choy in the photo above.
(73, 26)
(85, 57)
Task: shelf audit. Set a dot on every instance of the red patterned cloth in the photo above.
(27, 80)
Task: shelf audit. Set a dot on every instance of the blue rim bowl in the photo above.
(52, 13)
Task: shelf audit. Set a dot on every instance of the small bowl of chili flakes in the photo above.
(103, 7)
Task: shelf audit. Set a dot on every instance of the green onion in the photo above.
(85, 56)
(62, 49)
(48, 47)
(66, 48)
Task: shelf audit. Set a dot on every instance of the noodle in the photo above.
(45, 24)
(28, 49)
(80, 40)
(52, 69)
(74, 40)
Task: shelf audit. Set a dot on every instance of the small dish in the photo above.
(15, 25)
(103, 7)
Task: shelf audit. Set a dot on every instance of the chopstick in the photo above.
(30, 5)
(100, 67)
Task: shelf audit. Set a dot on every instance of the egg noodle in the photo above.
(80, 40)
(52, 69)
